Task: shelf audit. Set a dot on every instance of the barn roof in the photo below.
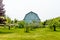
(31, 12)
(29, 15)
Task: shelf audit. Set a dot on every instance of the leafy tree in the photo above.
(53, 23)
(12, 21)
(21, 24)
(15, 20)
(44, 23)
(54, 26)
(8, 20)
(27, 26)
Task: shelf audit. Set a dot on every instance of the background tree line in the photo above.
(51, 23)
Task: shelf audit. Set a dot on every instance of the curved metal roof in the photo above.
(30, 17)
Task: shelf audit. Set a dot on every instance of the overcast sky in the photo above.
(46, 9)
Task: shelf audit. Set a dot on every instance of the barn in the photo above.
(31, 17)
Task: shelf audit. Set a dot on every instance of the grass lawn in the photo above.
(36, 34)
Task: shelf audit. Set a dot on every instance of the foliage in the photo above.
(41, 24)
(8, 20)
(15, 20)
(27, 28)
(54, 21)
(21, 24)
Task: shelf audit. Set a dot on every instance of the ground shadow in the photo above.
(5, 32)
(54, 31)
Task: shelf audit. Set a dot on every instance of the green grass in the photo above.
(36, 34)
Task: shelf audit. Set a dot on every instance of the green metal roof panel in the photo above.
(30, 17)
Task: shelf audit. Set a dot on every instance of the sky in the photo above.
(46, 9)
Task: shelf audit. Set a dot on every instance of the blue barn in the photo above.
(30, 17)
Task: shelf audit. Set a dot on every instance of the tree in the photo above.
(15, 20)
(27, 26)
(44, 23)
(8, 20)
(21, 24)
(54, 27)
(2, 13)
